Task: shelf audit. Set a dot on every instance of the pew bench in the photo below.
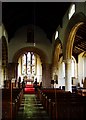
(10, 103)
(62, 105)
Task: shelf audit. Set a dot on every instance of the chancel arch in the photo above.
(40, 57)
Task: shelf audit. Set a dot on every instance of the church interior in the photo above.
(43, 61)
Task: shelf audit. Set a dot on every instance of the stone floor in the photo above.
(31, 109)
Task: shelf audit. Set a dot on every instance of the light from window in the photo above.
(24, 64)
(73, 68)
(28, 64)
(56, 35)
(63, 69)
(28, 56)
(72, 11)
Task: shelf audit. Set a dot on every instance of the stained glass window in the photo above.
(24, 64)
(29, 64)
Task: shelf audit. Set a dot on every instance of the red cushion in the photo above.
(29, 89)
(28, 85)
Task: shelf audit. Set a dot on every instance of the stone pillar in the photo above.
(84, 67)
(68, 81)
(1, 77)
(12, 70)
(43, 75)
(46, 75)
(76, 74)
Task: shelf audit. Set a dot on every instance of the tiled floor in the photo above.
(31, 109)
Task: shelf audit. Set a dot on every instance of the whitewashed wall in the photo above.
(20, 38)
(2, 33)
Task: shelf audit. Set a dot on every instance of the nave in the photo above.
(31, 109)
(57, 63)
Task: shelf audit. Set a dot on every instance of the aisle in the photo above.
(31, 109)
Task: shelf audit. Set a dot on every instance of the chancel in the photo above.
(43, 61)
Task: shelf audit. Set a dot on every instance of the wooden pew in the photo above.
(10, 103)
(63, 105)
(81, 92)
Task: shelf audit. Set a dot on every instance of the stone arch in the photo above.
(46, 67)
(57, 53)
(73, 26)
(76, 21)
(30, 49)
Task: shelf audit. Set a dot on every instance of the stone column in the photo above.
(68, 81)
(46, 75)
(12, 70)
(43, 75)
(84, 67)
(76, 74)
(1, 76)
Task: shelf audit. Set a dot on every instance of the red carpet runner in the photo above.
(29, 89)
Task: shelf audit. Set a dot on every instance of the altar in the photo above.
(29, 81)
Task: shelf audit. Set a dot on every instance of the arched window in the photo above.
(28, 64)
